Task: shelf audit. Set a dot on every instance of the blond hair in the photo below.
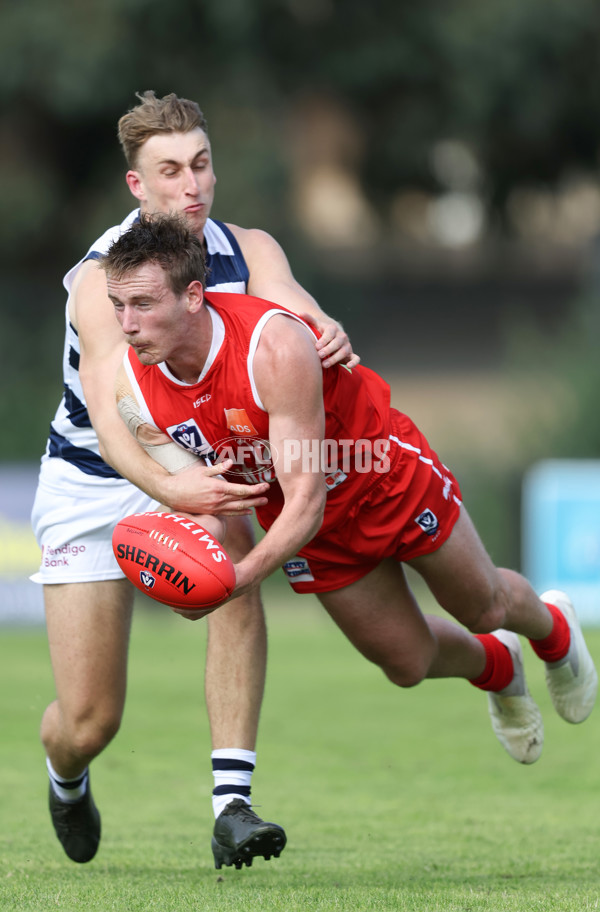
(152, 115)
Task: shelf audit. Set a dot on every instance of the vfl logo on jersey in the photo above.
(297, 570)
(428, 522)
(188, 435)
(147, 579)
(239, 423)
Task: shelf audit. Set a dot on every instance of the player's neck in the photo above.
(188, 362)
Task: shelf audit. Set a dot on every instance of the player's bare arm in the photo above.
(271, 278)
(198, 489)
(288, 377)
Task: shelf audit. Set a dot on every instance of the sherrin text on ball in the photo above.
(174, 560)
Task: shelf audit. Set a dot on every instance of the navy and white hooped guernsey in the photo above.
(72, 437)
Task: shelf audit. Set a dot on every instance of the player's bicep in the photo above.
(271, 276)
(101, 341)
(289, 380)
(93, 315)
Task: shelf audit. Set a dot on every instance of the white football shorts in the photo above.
(73, 518)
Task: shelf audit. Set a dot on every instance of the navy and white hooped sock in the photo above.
(68, 790)
(232, 773)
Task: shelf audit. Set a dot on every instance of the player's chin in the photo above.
(196, 219)
(147, 357)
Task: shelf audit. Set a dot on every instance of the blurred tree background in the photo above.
(430, 168)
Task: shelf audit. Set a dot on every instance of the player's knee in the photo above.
(239, 537)
(89, 736)
(487, 616)
(409, 670)
(239, 617)
(88, 742)
(404, 668)
(407, 675)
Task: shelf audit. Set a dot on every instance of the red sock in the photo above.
(556, 645)
(499, 668)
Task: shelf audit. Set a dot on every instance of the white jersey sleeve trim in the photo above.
(254, 340)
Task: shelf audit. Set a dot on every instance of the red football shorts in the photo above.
(411, 512)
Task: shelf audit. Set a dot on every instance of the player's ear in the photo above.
(134, 182)
(195, 296)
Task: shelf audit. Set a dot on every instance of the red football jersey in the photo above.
(222, 415)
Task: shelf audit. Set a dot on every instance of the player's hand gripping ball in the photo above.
(173, 560)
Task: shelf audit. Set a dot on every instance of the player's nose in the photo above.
(129, 322)
(191, 184)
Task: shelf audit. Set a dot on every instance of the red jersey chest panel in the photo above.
(218, 416)
(221, 415)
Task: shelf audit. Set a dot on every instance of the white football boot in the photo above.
(516, 719)
(573, 681)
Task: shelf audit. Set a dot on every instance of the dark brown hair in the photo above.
(162, 239)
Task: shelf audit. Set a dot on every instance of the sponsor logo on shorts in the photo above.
(428, 522)
(147, 579)
(298, 571)
(60, 557)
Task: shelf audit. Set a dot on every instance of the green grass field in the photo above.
(392, 800)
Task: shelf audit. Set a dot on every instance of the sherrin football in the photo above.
(173, 560)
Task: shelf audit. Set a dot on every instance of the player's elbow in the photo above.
(103, 451)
